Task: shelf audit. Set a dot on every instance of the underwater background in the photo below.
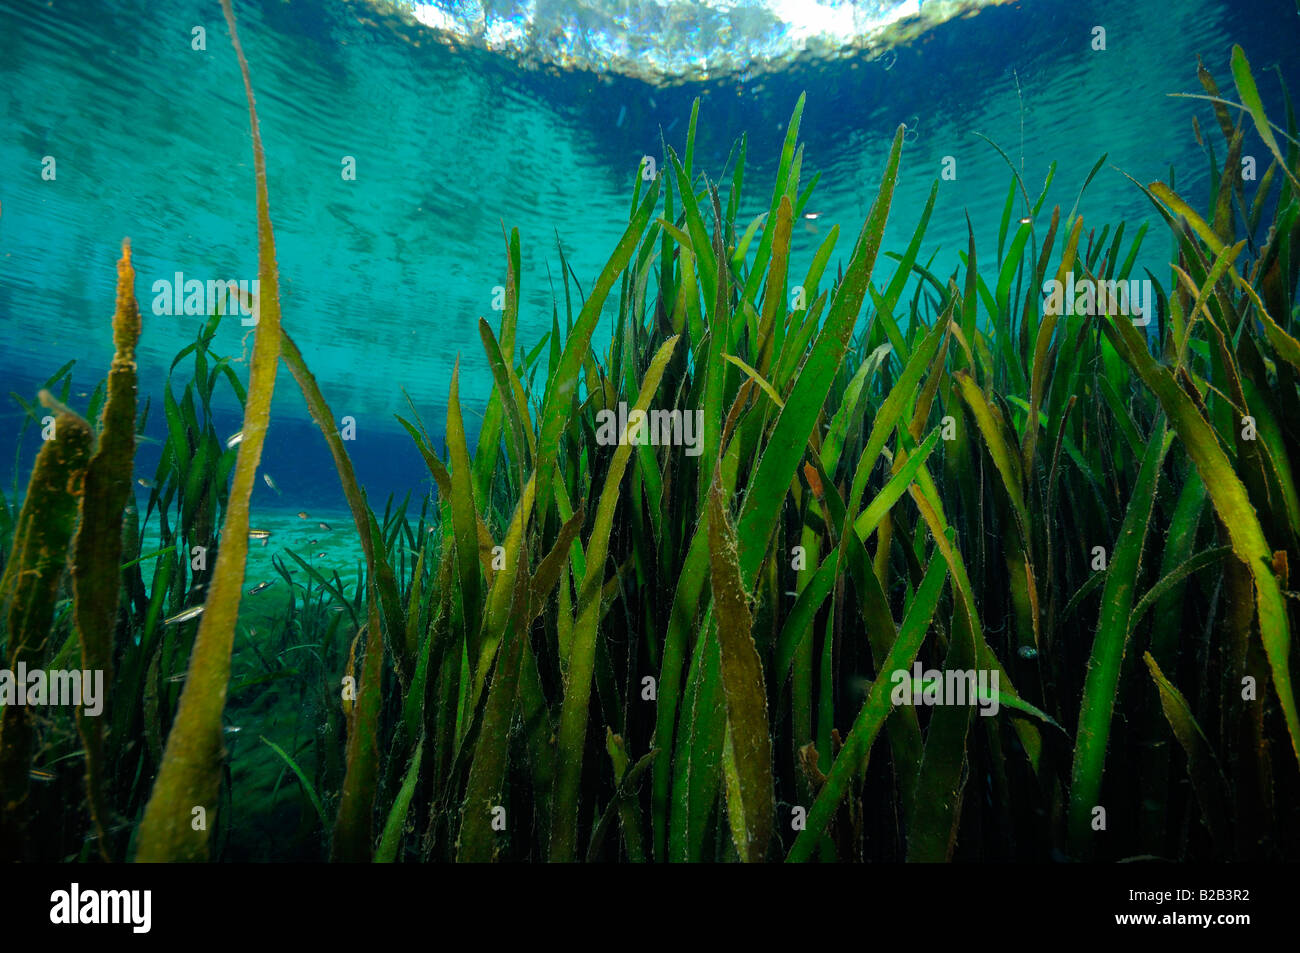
(384, 275)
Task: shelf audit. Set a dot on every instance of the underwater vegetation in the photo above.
(740, 647)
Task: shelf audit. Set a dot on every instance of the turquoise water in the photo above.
(384, 278)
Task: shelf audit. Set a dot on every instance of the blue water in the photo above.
(384, 278)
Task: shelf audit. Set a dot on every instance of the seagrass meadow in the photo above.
(698, 575)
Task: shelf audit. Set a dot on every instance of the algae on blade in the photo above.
(97, 549)
(27, 594)
(186, 791)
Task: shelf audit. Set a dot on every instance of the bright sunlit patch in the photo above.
(675, 40)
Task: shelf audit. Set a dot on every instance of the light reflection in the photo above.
(669, 41)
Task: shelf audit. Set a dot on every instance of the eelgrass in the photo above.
(97, 549)
(27, 594)
(968, 481)
(174, 826)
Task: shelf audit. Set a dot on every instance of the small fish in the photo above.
(115, 829)
(259, 533)
(336, 608)
(325, 526)
(234, 439)
(270, 482)
(260, 586)
(40, 774)
(312, 542)
(812, 216)
(1025, 220)
(622, 114)
(320, 555)
(232, 730)
(147, 484)
(1028, 652)
(303, 515)
(184, 614)
(177, 678)
(244, 298)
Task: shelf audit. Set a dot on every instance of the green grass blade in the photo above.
(1202, 766)
(391, 839)
(573, 715)
(27, 597)
(307, 786)
(464, 514)
(795, 424)
(875, 709)
(97, 549)
(1249, 93)
(749, 767)
(190, 774)
(563, 386)
(1232, 503)
(1108, 648)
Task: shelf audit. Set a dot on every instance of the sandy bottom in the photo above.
(278, 692)
(326, 541)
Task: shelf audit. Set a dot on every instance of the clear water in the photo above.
(383, 278)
